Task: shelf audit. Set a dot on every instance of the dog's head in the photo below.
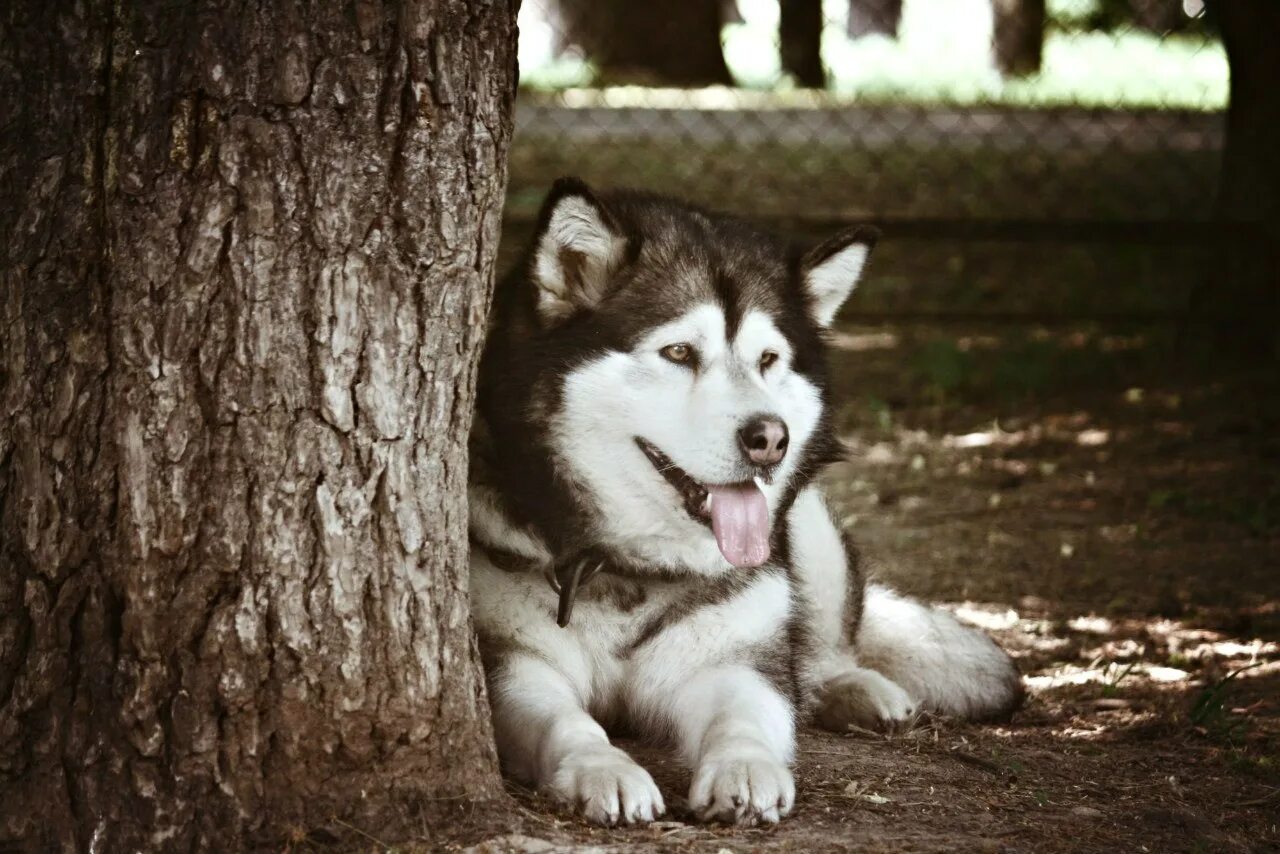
(670, 364)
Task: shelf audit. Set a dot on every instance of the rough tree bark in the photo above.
(800, 41)
(246, 264)
(1246, 289)
(673, 42)
(1018, 36)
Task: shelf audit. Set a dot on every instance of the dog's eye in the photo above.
(681, 354)
(768, 359)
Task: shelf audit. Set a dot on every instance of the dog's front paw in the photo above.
(742, 790)
(866, 699)
(607, 787)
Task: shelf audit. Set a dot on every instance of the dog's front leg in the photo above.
(738, 733)
(546, 736)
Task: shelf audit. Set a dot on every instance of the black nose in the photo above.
(764, 440)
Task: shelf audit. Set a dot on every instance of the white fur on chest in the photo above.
(605, 651)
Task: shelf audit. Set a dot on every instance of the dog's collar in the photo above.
(565, 577)
(568, 575)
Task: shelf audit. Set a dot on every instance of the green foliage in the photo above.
(1115, 674)
(1259, 515)
(881, 412)
(1029, 368)
(1211, 710)
(1023, 367)
(942, 367)
(1259, 766)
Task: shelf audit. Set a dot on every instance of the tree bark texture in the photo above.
(247, 259)
(671, 42)
(800, 41)
(1247, 282)
(1018, 36)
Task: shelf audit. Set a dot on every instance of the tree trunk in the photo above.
(1018, 36)
(671, 42)
(247, 263)
(1246, 290)
(874, 17)
(1159, 16)
(800, 41)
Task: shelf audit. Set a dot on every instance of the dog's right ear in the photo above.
(577, 248)
(831, 270)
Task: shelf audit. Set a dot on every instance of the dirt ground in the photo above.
(1109, 509)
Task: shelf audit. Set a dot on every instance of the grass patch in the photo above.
(1259, 515)
(1211, 711)
(1024, 365)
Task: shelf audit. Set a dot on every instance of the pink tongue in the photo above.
(740, 520)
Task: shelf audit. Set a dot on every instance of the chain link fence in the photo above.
(1010, 122)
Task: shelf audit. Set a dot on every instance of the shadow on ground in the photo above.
(1110, 511)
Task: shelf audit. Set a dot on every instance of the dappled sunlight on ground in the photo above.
(1113, 520)
(1112, 517)
(1062, 470)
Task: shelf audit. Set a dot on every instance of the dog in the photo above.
(651, 549)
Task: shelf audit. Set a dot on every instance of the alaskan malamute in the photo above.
(650, 546)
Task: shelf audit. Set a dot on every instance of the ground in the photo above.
(1107, 505)
(1103, 499)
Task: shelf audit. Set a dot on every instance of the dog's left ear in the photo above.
(577, 249)
(831, 270)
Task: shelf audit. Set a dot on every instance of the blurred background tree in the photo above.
(663, 42)
(1249, 193)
